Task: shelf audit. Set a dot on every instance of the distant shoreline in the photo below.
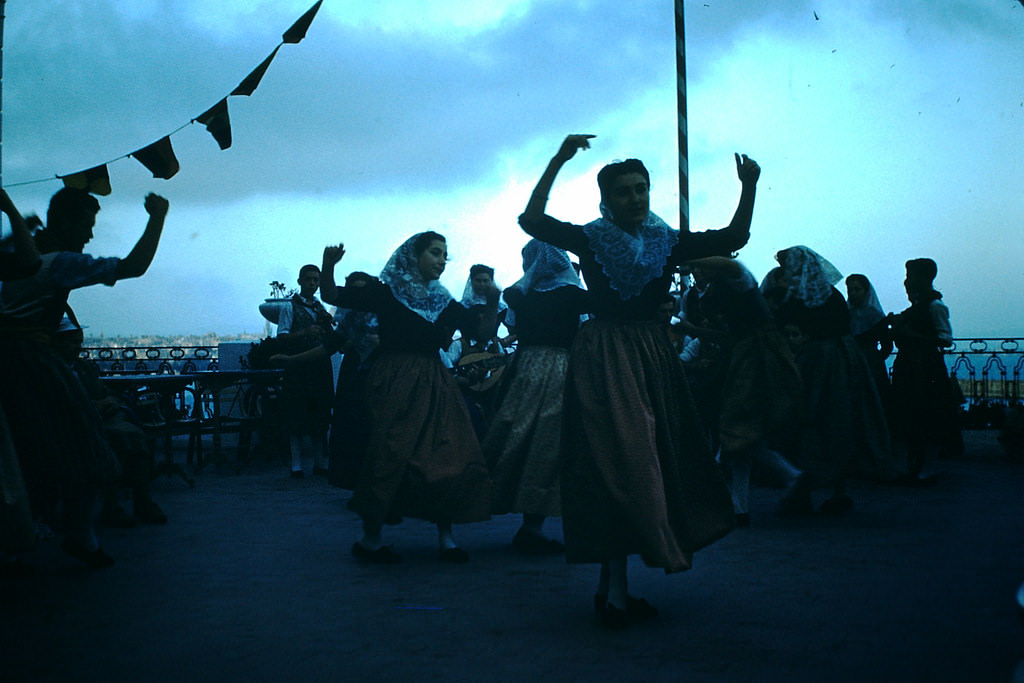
(119, 342)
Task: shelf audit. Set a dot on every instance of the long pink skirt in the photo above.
(638, 476)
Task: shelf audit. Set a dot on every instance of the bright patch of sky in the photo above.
(886, 131)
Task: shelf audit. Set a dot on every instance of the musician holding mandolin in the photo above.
(478, 360)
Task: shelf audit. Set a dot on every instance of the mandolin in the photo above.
(482, 369)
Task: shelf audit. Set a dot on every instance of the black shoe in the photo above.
(742, 520)
(636, 608)
(453, 555)
(529, 543)
(319, 471)
(298, 474)
(96, 559)
(382, 555)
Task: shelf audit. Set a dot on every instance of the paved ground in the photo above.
(253, 580)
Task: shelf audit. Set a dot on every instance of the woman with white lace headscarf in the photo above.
(845, 431)
(638, 476)
(522, 442)
(871, 330)
(423, 459)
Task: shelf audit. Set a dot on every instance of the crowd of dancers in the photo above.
(633, 407)
(634, 414)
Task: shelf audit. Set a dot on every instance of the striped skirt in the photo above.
(522, 445)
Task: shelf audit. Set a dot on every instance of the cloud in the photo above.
(884, 129)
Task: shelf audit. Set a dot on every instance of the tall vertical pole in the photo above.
(2, 3)
(684, 180)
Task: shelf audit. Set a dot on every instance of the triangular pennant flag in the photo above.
(217, 122)
(94, 180)
(298, 30)
(249, 83)
(158, 158)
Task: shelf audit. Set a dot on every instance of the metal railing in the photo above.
(988, 370)
(990, 374)
(148, 360)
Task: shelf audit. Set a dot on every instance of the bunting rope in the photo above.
(158, 157)
(684, 164)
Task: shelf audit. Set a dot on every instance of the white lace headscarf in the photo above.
(808, 276)
(545, 267)
(865, 316)
(630, 261)
(402, 274)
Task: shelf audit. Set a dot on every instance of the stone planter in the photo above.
(271, 308)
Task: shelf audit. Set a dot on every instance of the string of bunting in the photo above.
(159, 157)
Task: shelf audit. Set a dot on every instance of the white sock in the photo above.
(617, 589)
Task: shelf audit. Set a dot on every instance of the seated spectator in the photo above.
(127, 439)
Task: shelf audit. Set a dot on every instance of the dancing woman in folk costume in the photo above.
(522, 445)
(638, 475)
(760, 383)
(845, 432)
(350, 421)
(871, 330)
(423, 459)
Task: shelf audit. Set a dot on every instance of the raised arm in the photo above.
(136, 263)
(25, 255)
(328, 285)
(539, 199)
(748, 172)
(535, 221)
(734, 236)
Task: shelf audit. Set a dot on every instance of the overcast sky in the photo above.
(886, 130)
